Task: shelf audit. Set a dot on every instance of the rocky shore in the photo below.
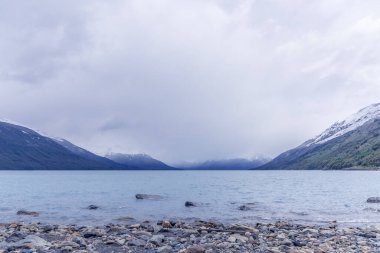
(188, 237)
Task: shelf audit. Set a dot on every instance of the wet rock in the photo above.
(92, 207)
(244, 208)
(28, 213)
(190, 204)
(373, 200)
(125, 219)
(148, 196)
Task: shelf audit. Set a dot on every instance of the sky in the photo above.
(187, 80)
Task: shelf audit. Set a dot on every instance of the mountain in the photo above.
(88, 155)
(353, 143)
(140, 161)
(24, 149)
(227, 164)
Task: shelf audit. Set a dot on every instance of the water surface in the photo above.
(302, 196)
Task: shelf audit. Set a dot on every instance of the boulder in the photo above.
(244, 208)
(148, 196)
(373, 200)
(190, 204)
(29, 213)
(92, 207)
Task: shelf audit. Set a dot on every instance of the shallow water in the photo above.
(301, 196)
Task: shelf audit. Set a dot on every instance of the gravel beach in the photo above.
(188, 237)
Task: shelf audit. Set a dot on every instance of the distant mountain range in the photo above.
(22, 148)
(353, 143)
(226, 164)
(139, 161)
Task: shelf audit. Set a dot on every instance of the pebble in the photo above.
(189, 237)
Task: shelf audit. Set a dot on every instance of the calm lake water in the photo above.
(302, 196)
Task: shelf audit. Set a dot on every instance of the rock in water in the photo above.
(373, 200)
(148, 196)
(92, 207)
(23, 212)
(244, 208)
(190, 204)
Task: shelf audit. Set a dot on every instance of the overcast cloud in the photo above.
(187, 80)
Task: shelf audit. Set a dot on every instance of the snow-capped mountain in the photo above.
(25, 149)
(141, 161)
(356, 120)
(351, 143)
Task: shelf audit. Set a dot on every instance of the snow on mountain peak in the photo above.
(5, 120)
(349, 124)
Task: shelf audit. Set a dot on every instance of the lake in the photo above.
(61, 197)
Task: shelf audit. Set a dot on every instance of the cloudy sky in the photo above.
(187, 80)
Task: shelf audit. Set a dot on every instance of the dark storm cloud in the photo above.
(187, 80)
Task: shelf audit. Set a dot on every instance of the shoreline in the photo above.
(188, 237)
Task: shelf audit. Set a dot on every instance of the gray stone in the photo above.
(245, 208)
(28, 213)
(190, 204)
(195, 249)
(373, 200)
(90, 234)
(137, 242)
(165, 249)
(92, 207)
(157, 239)
(34, 241)
(148, 196)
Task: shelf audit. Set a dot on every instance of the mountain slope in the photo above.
(140, 161)
(88, 155)
(24, 149)
(352, 143)
(227, 164)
